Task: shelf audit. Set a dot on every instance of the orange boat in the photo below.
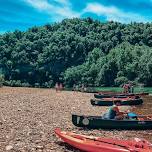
(97, 144)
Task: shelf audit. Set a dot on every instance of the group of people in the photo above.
(81, 88)
(58, 86)
(128, 88)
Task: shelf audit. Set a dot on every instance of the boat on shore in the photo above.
(112, 94)
(109, 101)
(99, 144)
(98, 122)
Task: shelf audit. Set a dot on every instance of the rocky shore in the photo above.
(28, 117)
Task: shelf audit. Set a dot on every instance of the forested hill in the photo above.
(78, 51)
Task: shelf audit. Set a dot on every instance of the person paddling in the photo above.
(114, 113)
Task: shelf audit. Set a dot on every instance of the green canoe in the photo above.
(97, 122)
(102, 102)
(120, 95)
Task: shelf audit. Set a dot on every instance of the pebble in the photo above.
(8, 147)
(39, 147)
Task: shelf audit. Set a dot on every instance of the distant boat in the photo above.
(109, 101)
(115, 94)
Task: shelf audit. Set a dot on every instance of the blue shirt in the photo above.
(112, 113)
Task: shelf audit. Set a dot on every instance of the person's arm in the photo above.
(126, 112)
(119, 112)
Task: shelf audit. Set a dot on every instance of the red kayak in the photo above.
(97, 144)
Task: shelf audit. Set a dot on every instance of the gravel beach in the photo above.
(28, 117)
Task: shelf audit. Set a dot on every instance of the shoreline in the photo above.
(30, 115)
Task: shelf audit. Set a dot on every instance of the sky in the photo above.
(23, 14)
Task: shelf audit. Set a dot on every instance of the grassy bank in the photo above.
(118, 89)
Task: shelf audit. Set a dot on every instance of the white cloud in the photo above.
(57, 12)
(100, 9)
(63, 9)
(113, 13)
(40, 4)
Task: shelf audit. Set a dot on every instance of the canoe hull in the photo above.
(98, 144)
(89, 146)
(102, 95)
(95, 102)
(96, 122)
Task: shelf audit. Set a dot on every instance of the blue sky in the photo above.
(22, 14)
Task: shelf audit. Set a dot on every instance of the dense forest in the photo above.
(77, 51)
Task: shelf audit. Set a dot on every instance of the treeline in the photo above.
(124, 63)
(78, 51)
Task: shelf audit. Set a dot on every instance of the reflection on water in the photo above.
(145, 109)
